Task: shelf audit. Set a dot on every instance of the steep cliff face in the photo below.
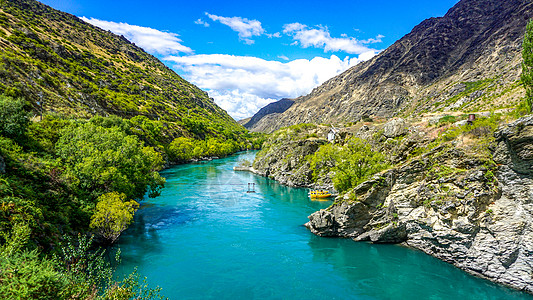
(468, 60)
(456, 205)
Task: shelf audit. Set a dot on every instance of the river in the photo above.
(206, 237)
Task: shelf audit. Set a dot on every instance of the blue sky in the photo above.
(247, 54)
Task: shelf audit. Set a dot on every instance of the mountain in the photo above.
(74, 68)
(468, 60)
(277, 107)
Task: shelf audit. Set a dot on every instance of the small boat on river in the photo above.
(319, 194)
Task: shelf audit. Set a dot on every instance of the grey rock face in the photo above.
(395, 128)
(286, 162)
(481, 225)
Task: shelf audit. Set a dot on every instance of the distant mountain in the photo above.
(468, 60)
(75, 68)
(272, 108)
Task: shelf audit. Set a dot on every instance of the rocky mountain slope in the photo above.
(271, 110)
(60, 63)
(468, 60)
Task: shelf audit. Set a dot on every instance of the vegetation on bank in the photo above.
(351, 163)
(58, 62)
(64, 176)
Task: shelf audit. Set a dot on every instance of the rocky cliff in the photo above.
(274, 108)
(284, 155)
(468, 60)
(457, 202)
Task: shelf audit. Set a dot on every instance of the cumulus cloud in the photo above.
(244, 27)
(201, 22)
(319, 37)
(151, 40)
(242, 85)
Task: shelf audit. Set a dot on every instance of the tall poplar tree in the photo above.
(527, 65)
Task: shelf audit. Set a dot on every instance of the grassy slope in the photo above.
(78, 69)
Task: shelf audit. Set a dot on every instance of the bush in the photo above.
(358, 163)
(113, 215)
(13, 118)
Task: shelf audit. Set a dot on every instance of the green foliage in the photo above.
(13, 118)
(46, 133)
(324, 159)
(76, 272)
(358, 163)
(113, 215)
(366, 118)
(183, 149)
(446, 120)
(102, 160)
(527, 66)
(352, 163)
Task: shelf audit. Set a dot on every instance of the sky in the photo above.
(247, 54)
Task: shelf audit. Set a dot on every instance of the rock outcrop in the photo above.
(284, 155)
(463, 208)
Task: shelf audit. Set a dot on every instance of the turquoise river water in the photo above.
(205, 237)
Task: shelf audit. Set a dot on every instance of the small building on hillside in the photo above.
(332, 134)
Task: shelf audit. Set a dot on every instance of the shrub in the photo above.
(13, 118)
(113, 215)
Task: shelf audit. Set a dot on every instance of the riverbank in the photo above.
(451, 192)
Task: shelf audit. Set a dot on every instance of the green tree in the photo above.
(527, 66)
(181, 149)
(103, 160)
(113, 215)
(13, 118)
(358, 162)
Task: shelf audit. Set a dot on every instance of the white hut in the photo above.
(332, 134)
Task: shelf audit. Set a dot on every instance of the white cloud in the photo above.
(373, 40)
(201, 22)
(320, 37)
(242, 84)
(246, 28)
(274, 35)
(151, 40)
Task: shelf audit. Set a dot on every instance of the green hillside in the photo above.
(76, 69)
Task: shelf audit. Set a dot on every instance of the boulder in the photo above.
(395, 128)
